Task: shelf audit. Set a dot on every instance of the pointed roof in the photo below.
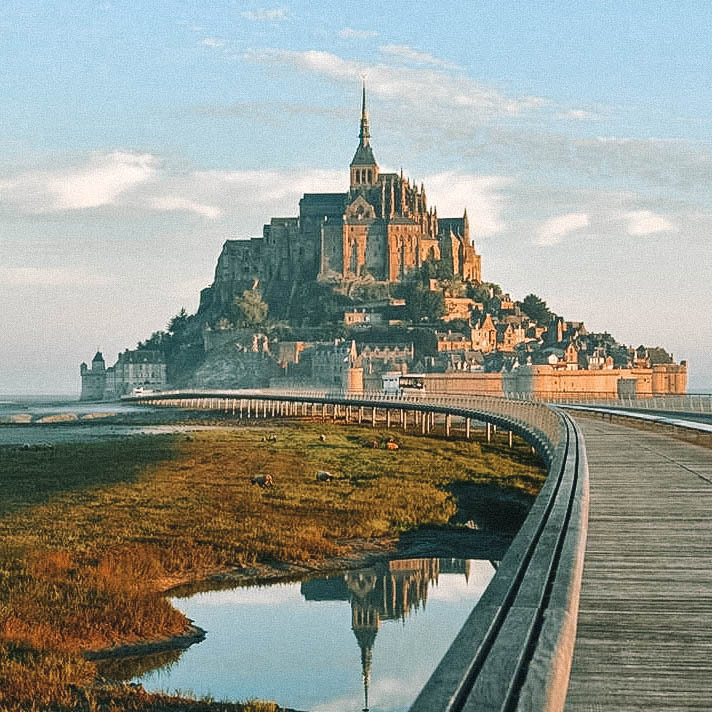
(364, 134)
(364, 153)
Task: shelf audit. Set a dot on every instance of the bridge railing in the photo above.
(514, 651)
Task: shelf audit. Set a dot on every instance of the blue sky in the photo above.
(137, 137)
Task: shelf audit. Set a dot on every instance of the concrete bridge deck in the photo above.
(644, 639)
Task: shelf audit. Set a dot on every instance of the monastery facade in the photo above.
(382, 227)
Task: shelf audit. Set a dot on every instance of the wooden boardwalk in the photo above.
(644, 639)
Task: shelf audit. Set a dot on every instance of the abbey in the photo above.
(382, 228)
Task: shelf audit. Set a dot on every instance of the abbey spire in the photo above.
(364, 134)
(364, 169)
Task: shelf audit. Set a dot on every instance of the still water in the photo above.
(364, 639)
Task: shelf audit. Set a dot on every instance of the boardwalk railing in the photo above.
(514, 652)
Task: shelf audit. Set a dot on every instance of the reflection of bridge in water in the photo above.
(391, 590)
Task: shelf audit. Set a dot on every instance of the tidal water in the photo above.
(363, 639)
(56, 405)
(28, 419)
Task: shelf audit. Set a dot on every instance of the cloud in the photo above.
(133, 184)
(213, 42)
(646, 222)
(408, 54)
(351, 33)
(46, 277)
(576, 115)
(102, 180)
(452, 192)
(266, 14)
(280, 189)
(553, 230)
(176, 203)
(452, 93)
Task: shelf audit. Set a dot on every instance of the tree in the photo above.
(481, 292)
(178, 323)
(249, 309)
(421, 304)
(535, 308)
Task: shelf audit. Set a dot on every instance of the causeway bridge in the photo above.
(604, 598)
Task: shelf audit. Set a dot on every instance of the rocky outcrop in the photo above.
(230, 367)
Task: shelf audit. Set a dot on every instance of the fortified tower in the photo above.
(94, 378)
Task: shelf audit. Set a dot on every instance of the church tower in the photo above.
(364, 169)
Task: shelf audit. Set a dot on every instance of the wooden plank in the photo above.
(644, 638)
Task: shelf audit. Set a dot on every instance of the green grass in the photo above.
(93, 534)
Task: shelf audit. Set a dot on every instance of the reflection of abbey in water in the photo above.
(387, 591)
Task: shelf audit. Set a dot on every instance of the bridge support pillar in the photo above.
(489, 432)
(335, 413)
(468, 426)
(360, 414)
(423, 424)
(448, 422)
(388, 418)
(510, 438)
(373, 417)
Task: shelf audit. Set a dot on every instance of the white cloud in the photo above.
(408, 54)
(553, 230)
(576, 115)
(351, 33)
(102, 181)
(266, 14)
(646, 222)
(176, 203)
(46, 277)
(213, 42)
(452, 93)
(452, 192)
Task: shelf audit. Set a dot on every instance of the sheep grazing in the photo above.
(263, 480)
(322, 476)
(272, 438)
(322, 438)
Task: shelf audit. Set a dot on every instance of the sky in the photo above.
(135, 138)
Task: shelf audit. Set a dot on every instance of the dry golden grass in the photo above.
(93, 533)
